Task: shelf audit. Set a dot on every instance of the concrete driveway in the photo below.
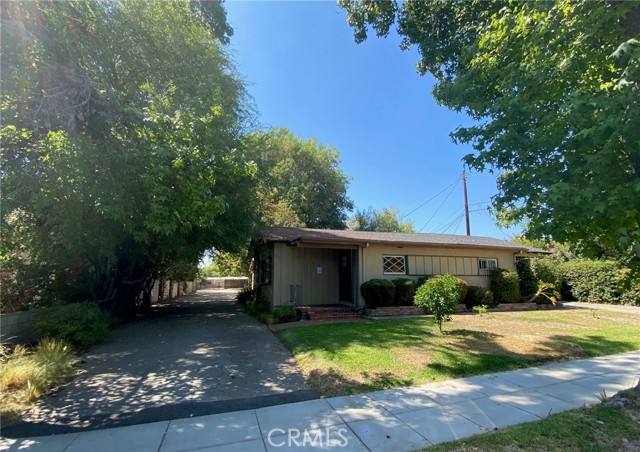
(197, 355)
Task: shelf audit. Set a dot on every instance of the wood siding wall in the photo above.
(293, 266)
(462, 262)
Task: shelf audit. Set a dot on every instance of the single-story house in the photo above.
(311, 267)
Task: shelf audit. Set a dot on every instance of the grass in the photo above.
(598, 428)
(349, 358)
(26, 375)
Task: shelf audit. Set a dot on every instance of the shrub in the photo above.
(547, 270)
(463, 286)
(505, 286)
(421, 280)
(27, 375)
(378, 292)
(478, 296)
(595, 281)
(526, 278)
(284, 313)
(463, 289)
(80, 324)
(405, 290)
(258, 304)
(439, 296)
(546, 294)
(245, 296)
(631, 294)
(480, 309)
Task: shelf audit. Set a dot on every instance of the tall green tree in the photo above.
(121, 155)
(226, 264)
(553, 87)
(387, 219)
(299, 181)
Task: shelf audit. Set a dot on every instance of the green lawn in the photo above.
(348, 358)
(599, 428)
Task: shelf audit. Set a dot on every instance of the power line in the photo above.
(441, 204)
(457, 226)
(450, 217)
(443, 228)
(432, 198)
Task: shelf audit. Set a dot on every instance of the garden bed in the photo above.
(412, 311)
(394, 311)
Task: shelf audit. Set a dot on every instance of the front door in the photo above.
(345, 276)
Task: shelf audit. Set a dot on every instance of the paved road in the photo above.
(197, 355)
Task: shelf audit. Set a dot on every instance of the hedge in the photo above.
(630, 289)
(505, 286)
(405, 290)
(378, 292)
(81, 324)
(526, 278)
(477, 296)
(548, 270)
(600, 282)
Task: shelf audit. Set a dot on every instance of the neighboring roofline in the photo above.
(533, 250)
(296, 239)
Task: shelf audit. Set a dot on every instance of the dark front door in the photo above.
(345, 275)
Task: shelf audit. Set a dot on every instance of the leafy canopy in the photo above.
(226, 264)
(120, 145)
(299, 181)
(387, 219)
(553, 88)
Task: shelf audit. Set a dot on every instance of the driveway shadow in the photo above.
(191, 356)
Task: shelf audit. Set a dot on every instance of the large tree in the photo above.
(553, 88)
(120, 146)
(387, 219)
(299, 181)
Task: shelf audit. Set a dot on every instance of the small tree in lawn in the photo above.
(439, 296)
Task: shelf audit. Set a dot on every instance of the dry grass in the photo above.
(26, 375)
(349, 358)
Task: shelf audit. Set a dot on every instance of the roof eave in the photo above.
(338, 241)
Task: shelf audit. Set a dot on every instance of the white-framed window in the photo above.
(485, 265)
(394, 265)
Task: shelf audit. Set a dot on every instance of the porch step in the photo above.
(328, 313)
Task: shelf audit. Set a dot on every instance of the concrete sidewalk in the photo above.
(402, 419)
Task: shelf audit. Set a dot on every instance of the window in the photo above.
(393, 265)
(486, 265)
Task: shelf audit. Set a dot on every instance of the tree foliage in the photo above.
(300, 183)
(226, 264)
(439, 296)
(120, 145)
(387, 219)
(553, 88)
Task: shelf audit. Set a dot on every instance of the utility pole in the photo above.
(466, 201)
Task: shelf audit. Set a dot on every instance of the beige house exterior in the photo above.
(312, 267)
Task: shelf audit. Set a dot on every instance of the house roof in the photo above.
(331, 236)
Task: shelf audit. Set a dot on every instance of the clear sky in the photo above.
(306, 73)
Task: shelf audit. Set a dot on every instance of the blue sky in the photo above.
(306, 73)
